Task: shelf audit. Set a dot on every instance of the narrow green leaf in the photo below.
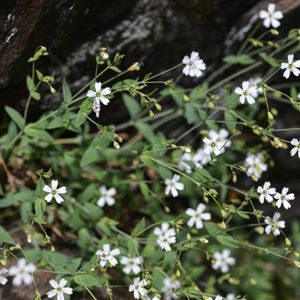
(15, 116)
(230, 120)
(132, 105)
(5, 237)
(67, 94)
(140, 226)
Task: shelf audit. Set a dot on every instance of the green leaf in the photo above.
(147, 161)
(269, 59)
(61, 263)
(30, 84)
(25, 210)
(132, 105)
(230, 120)
(35, 95)
(11, 199)
(239, 59)
(202, 175)
(85, 109)
(116, 69)
(227, 240)
(211, 228)
(133, 247)
(67, 94)
(138, 228)
(38, 133)
(190, 114)
(15, 116)
(5, 237)
(89, 280)
(147, 131)
(89, 156)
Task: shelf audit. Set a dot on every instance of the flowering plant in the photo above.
(139, 210)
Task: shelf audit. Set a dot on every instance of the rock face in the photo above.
(155, 32)
(160, 31)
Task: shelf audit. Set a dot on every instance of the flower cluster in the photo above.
(268, 193)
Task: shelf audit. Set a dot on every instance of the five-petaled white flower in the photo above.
(169, 288)
(284, 198)
(99, 97)
(22, 272)
(296, 148)
(215, 142)
(165, 236)
(173, 185)
(222, 260)
(255, 165)
(230, 297)
(194, 66)
(290, 66)
(217, 298)
(55, 192)
(138, 288)
(197, 216)
(107, 196)
(274, 225)
(59, 289)
(3, 273)
(131, 264)
(266, 192)
(271, 16)
(247, 92)
(108, 256)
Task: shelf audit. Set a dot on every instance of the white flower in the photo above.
(223, 260)
(99, 97)
(22, 272)
(271, 16)
(266, 192)
(217, 298)
(3, 273)
(108, 256)
(215, 142)
(247, 92)
(283, 198)
(138, 288)
(132, 264)
(55, 192)
(169, 288)
(194, 65)
(255, 165)
(201, 158)
(165, 236)
(274, 225)
(197, 216)
(290, 66)
(296, 149)
(188, 161)
(107, 196)
(172, 185)
(59, 289)
(253, 82)
(230, 297)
